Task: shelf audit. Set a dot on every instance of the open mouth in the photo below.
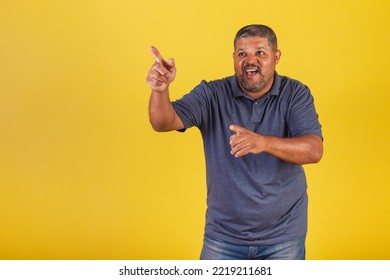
(251, 70)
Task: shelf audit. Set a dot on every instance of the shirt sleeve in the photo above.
(192, 107)
(302, 117)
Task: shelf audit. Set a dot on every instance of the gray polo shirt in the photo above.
(255, 199)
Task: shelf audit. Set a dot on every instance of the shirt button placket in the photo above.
(255, 112)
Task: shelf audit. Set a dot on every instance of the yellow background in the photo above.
(82, 174)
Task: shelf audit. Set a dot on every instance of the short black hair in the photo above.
(258, 30)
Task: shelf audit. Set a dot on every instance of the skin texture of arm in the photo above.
(162, 116)
(299, 150)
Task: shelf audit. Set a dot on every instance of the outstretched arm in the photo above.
(299, 150)
(162, 116)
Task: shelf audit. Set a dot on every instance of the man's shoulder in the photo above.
(289, 88)
(286, 81)
(217, 86)
(225, 81)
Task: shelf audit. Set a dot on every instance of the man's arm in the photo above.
(162, 116)
(298, 150)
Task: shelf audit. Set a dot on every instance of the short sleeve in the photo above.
(302, 118)
(192, 107)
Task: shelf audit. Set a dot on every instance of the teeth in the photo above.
(251, 71)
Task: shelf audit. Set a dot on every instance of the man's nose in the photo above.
(251, 58)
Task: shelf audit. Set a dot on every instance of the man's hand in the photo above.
(162, 72)
(298, 150)
(245, 141)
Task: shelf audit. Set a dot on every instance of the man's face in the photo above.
(254, 65)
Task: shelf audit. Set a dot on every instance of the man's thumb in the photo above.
(236, 128)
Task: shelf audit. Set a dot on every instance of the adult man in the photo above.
(258, 129)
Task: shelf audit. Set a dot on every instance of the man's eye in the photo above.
(241, 54)
(260, 53)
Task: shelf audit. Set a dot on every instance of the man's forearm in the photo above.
(162, 116)
(300, 150)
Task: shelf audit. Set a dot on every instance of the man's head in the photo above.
(257, 30)
(255, 57)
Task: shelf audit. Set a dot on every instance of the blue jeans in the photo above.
(214, 249)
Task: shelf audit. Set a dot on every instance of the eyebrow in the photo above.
(244, 49)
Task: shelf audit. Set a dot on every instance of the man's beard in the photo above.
(253, 88)
(250, 87)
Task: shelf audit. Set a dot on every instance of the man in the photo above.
(258, 129)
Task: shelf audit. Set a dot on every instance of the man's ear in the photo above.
(278, 54)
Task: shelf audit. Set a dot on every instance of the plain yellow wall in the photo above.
(82, 174)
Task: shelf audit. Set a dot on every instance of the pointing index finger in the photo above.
(156, 54)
